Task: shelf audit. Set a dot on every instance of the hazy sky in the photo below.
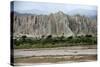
(21, 6)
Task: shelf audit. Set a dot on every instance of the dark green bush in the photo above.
(49, 37)
(88, 36)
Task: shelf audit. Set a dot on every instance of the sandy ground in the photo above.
(55, 51)
(55, 55)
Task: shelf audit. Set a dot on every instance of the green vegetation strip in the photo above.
(51, 42)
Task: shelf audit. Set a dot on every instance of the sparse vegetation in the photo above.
(50, 42)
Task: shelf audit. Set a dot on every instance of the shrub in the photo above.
(88, 36)
(42, 36)
(16, 42)
(49, 36)
(70, 37)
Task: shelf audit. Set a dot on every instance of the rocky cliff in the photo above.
(55, 24)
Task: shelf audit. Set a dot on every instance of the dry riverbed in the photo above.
(55, 55)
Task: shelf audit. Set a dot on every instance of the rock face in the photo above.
(55, 24)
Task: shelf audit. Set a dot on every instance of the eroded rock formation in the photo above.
(56, 24)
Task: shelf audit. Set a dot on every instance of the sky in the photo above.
(22, 7)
